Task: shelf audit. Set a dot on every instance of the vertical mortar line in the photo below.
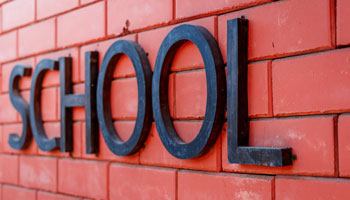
(57, 175)
(219, 153)
(269, 89)
(174, 10)
(18, 168)
(216, 29)
(35, 10)
(108, 178)
(17, 45)
(137, 38)
(336, 148)
(56, 33)
(333, 22)
(273, 188)
(79, 63)
(106, 17)
(176, 184)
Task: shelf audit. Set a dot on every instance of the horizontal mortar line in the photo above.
(296, 116)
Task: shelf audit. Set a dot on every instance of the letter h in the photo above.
(88, 100)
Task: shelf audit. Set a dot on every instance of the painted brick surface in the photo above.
(298, 97)
(141, 183)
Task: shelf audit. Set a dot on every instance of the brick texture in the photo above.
(139, 182)
(298, 96)
(194, 185)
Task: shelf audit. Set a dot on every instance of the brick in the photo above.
(311, 188)
(72, 30)
(344, 145)
(187, 57)
(9, 169)
(17, 193)
(124, 129)
(8, 113)
(152, 39)
(105, 153)
(311, 140)
(52, 78)
(154, 153)
(171, 94)
(186, 9)
(187, 130)
(10, 13)
(124, 16)
(52, 7)
(124, 66)
(259, 77)
(1, 140)
(195, 185)
(36, 38)
(270, 25)
(8, 40)
(124, 98)
(309, 79)
(343, 29)
(7, 68)
(0, 32)
(190, 102)
(38, 172)
(78, 146)
(16, 128)
(49, 104)
(53, 196)
(75, 172)
(131, 182)
(52, 130)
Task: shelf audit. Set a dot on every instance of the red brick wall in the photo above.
(298, 88)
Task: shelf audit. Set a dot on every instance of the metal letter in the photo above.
(144, 111)
(23, 141)
(216, 90)
(43, 142)
(237, 105)
(88, 100)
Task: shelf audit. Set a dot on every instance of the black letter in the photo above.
(36, 122)
(237, 105)
(216, 100)
(69, 100)
(144, 110)
(21, 106)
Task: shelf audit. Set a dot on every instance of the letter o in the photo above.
(144, 111)
(216, 91)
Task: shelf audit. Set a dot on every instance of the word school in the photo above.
(152, 99)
